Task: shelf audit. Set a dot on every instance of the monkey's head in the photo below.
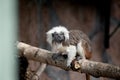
(57, 34)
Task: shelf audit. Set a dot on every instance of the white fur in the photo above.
(57, 29)
(71, 50)
(56, 47)
(80, 50)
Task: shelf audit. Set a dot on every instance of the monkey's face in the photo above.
(57, 34)
(58, 37)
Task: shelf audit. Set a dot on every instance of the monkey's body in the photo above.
(77, 44)
(72, 43)
(82, 43)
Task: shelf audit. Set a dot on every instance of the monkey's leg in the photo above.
(81, 53)
(80, 50)
(71, 50)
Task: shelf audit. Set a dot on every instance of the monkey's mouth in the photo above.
(59, 39)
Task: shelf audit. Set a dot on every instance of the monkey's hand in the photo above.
(59, 55)
(56, 56)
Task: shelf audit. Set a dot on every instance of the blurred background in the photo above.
(8, 38)
(99, 19)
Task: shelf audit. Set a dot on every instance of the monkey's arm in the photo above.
(96, 69)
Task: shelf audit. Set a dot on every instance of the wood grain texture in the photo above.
(96, 69)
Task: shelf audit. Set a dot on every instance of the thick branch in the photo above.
(96, 69)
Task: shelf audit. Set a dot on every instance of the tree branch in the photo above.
(96, 69)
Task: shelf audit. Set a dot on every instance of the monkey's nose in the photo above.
(59, 38)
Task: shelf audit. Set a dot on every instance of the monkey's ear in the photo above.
(49, 36)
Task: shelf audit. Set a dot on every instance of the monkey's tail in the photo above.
(87, 77)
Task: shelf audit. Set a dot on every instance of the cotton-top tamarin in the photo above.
(72, 43)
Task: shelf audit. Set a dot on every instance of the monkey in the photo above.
(73, 43)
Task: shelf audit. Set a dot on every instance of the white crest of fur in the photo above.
(57, 29)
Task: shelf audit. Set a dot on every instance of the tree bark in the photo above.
(96, 69)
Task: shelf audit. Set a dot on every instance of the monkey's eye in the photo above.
(53, 34)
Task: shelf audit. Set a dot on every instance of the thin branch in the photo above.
(96, 69)
(115, 30)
